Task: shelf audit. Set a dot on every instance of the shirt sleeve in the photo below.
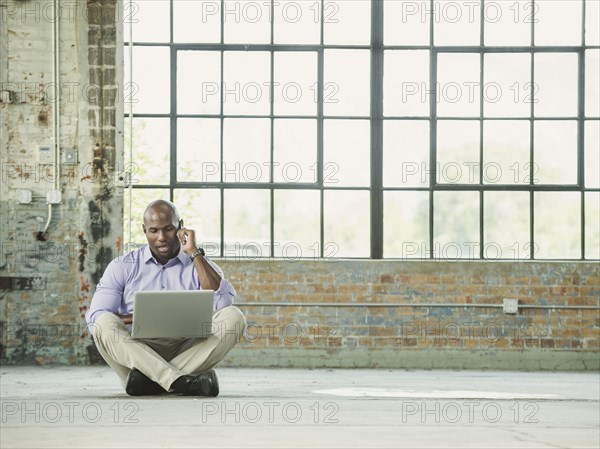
(109, 293)
(225, 293)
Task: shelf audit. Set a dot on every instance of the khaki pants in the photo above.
(164, 360)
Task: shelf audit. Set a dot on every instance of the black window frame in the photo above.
(377, 119)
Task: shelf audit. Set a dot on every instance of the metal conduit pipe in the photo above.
(55, 109)
(130, 57)
(349, 304)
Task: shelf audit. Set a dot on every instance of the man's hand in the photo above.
(187, 237)
(127, 319)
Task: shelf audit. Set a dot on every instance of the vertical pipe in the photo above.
(130, 56)
(55, 108)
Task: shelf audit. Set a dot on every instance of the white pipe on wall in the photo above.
(55, 107)
(130, 56)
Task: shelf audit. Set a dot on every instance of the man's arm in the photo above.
(109, 294)
(209, 274)
(210, 279)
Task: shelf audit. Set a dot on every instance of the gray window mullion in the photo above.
(481, 98)
(531, 141)
(319, 167)
(376, 130)
(432, 125)
(581, 141)
(173, 118)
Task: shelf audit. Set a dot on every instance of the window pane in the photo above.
(507, 85)
(246, 22)
(458, 89)
(149, 21)
(406, 153)
(297, 223)
(456, 225)
(246, 150)
(405, 23)
(456, 23)
(297, 22)
(198, 82)
(555, 87)
(197, 21)
(347, 223)
(506, 225)
(592, 153)
(557, 235)
(406, 89)
(458, 152)
(246, 82)
(506, 152)
(200, 210)
(247, 229)
(147, 83)
(347, 22)
(592, 225)
(295, 151)
(592, 81)
(555, 151)
(507, 23)
(151, 143)
(346, 84)
(295, 83)
(406, 224)
(198, 150)
(140, 198)
(553, 15)
(346, 152)
(592, 22)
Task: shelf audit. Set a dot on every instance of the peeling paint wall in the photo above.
(304, 312)
(47, 285)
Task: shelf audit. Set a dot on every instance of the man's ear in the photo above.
(144, 228)
(180, 224)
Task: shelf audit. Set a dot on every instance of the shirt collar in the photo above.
(147, 256)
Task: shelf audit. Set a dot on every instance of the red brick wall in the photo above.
(417, 314)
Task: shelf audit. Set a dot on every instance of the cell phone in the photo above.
(184, 241)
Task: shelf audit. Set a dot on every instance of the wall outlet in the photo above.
(44, 154)
(7, 96)
(510, 305)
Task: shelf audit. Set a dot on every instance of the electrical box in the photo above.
(69, 156)
(53, 197)
(510, 305)
(24, 196)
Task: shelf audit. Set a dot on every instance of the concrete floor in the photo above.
(261, 408)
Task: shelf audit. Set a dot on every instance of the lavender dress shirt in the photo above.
(139, 270)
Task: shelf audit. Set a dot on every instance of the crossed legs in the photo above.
(164, 361)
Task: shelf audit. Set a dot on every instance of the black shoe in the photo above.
(138, 384)
(205, 384)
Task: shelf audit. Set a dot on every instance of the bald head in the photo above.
(161, 210)
(161, 223)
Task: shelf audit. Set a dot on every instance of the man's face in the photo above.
(161, 233)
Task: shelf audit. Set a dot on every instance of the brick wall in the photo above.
(316, 314)
(47, 281)
(418, 314)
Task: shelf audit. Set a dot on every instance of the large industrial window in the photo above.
(383, 129)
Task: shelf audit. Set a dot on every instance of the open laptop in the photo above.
(172, 314)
